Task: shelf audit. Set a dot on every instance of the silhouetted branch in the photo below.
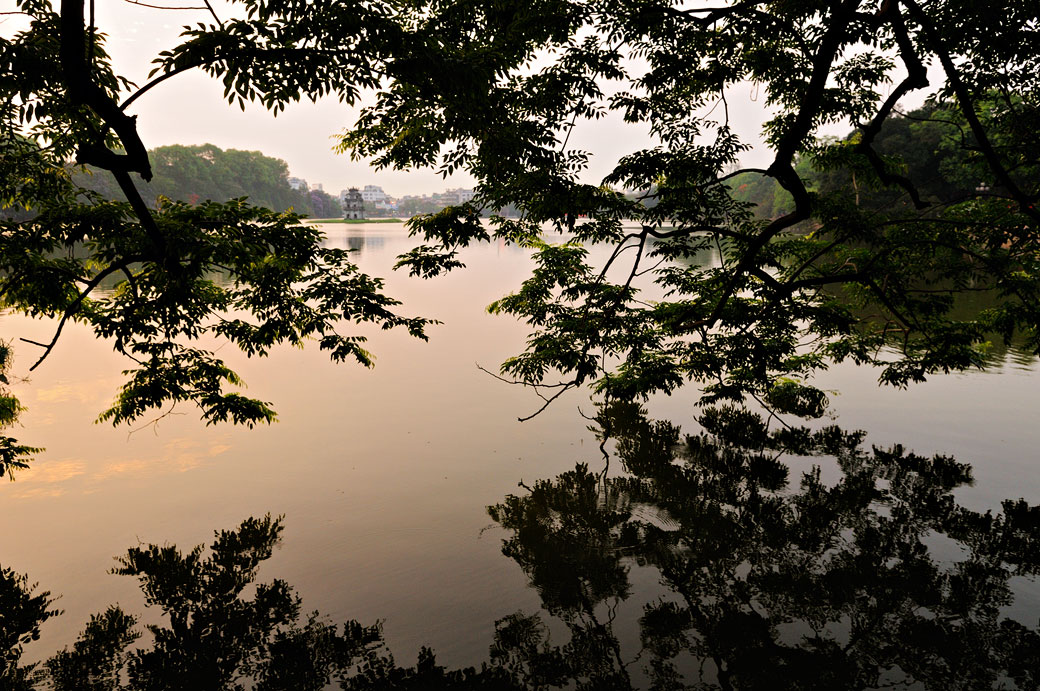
(916, 78)
(71, 311)
(967, 105)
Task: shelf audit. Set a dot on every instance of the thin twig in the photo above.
(70, 311)
(517, 382)
(548, 401)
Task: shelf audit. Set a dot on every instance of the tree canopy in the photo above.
(923, 142)
(863, 258)
(151, 275)
(496, 90)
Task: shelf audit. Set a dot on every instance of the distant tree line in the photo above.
(207, 172)
(413, 206)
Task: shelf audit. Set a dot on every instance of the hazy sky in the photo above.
(190, 109)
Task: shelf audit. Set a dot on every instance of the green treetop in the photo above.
(206, 172)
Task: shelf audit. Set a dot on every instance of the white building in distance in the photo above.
(373, 193)
(298, 184)
(457, 195)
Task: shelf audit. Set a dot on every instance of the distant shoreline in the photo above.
(354, 220)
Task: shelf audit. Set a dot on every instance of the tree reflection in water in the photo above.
(765, 585)
(770, 586)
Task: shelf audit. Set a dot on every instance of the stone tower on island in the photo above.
(353, 204)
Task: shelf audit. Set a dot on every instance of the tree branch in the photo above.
(71, 311)
(917, 78)
(82, 91)
(781, 168)
(964, 99)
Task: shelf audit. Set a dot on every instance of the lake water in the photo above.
(384, 476)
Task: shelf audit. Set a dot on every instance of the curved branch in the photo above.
(256, 54)
(70, 311)
(161, 78)
(781, 168)
(548, 401)
(735, 173)
(916, 78)
(84, 92)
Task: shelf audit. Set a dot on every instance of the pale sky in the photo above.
(190, 109)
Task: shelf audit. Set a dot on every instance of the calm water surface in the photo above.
(384, 475)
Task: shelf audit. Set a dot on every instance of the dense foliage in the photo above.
(207, 173)
(155, 275)
(864, 251)
(924, 143)
(860, 257)
(220, 627)
(769, 583)
(864, 256)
